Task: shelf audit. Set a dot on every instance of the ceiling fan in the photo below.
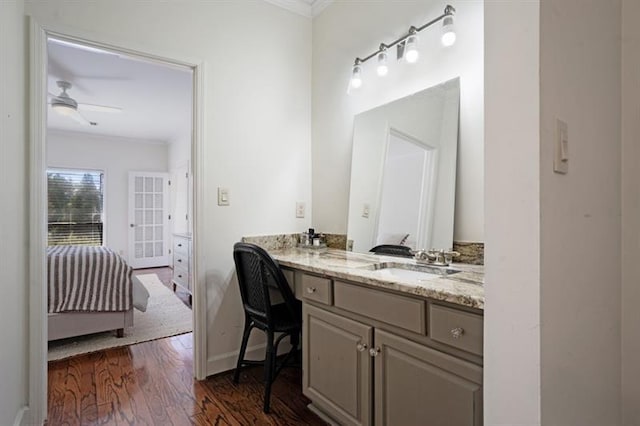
(65, 105)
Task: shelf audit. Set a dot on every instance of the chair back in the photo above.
(258, 273)
(392, 250)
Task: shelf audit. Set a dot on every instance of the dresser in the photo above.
(182, 262)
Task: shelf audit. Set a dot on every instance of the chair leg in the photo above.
(269, 367)
(243, 349)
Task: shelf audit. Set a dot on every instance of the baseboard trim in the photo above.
(227, 361)
(21, 417)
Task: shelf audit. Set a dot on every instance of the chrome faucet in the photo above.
(435, 257)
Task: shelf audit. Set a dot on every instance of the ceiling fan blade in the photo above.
(76, 116)
(99, 108)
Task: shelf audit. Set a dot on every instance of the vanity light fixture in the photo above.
(448, 32)
(356, 75)
(383, 67)
(406, 47)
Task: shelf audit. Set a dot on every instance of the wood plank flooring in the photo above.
(151, 383)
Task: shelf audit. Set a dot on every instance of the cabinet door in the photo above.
(416, 385)
(337, 365)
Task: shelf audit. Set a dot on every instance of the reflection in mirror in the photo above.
(403, 171)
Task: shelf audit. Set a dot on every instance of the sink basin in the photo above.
(409, 271)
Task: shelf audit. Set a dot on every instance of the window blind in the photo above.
(75, 207)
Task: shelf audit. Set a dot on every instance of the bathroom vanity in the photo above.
(387, 341)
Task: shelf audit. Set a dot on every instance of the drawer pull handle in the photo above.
(457, 332)
(311, 290)
(374, 352)
(361, 347)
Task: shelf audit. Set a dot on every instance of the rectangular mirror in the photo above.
(403, 171)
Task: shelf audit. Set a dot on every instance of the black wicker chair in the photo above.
(259, 277)
(392, 250)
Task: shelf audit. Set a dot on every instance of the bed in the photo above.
(90, 290)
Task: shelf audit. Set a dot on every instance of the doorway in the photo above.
(38, 220)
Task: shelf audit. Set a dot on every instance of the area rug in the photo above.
(166, 316)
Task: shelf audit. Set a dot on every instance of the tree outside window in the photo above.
(75, 204)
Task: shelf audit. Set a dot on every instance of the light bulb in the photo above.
(63, 109)
(356, 76)
(411, 53)
(383, 68)
(448, 32)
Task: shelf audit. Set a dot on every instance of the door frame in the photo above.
(39, 32)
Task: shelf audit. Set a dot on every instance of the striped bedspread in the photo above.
(83, 278)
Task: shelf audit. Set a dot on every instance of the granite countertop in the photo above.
(464, 287)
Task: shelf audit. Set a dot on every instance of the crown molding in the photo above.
(306, 8)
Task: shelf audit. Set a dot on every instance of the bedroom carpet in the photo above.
(166, 316)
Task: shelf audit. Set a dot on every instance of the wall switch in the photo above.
(561, 153)
(365, 210)
(300, 209)
(223, 196)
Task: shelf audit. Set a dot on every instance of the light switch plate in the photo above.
(365, 210)
(223, 197)
(300, 209)
(561, 148)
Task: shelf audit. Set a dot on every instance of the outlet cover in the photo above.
(300, 209)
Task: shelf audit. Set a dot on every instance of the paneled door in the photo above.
(148, 219)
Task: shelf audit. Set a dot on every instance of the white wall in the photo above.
(116, 157)
(580, 238)
(630, 212)
(512, 226)
(257, 121)
(14, 355)
(348, 29)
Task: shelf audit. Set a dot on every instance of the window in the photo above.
(75, 203)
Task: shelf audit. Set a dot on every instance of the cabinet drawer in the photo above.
(180, 261)
(459, 329)
(181, 247)
(181, 276)
(317, 289)
(403, 312)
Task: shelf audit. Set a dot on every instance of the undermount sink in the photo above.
(409, 271)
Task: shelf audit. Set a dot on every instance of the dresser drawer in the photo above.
(180, 260)
(317, 289)
(400, 311)
(181, 247)
(181, 276)
(460, 329)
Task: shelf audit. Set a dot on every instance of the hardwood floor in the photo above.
(151, 383)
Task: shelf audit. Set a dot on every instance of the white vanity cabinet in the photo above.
(182, 262)
(374, 357)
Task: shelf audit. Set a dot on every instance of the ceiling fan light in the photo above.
(63, 109)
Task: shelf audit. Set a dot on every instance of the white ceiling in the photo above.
(155, 99)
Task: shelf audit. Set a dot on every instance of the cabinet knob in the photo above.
(179, 260)
(457, 332)
(180, 245)
(361, 347)
(179, 276)
(311, 290)
(374, 352)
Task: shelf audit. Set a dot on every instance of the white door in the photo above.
(148, 219)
